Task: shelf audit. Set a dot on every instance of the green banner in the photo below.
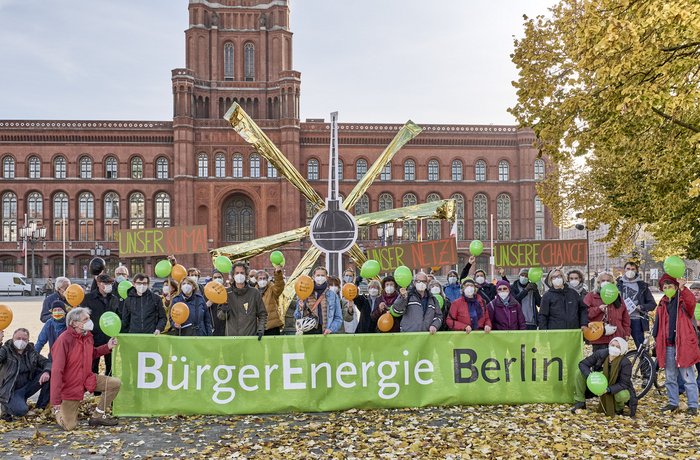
(168, 375)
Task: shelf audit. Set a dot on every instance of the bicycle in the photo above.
(645, 370)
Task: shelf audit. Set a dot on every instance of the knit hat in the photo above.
(502, 283)
(623, 344)
(468, 280)
(58, 304)
(667, 278)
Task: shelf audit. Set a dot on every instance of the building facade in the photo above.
(83, 180)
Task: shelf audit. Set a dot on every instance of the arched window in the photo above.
(503, 216)
(34, 167)
(111, 219)
(60, 212)
(238, 219)
(162, 168)
(434, 225)
(228, 61)
(433, 170)
(503, 171)
(362, 207)
(59, 167)
(137, 211)
(111, 168)
(481, 209)
(9, 217)
(457, 169)
(539, 169)
(8, 167)
(539, 219)
(220, 165)
(254, 165)
(237, 165)
(459, 207)
(360, 168)
(249, 61)
(480, 171)
(409, 227)
(85, 167)
(136, 168)
(271, 171)
(35, 207)
(341, 165)
(312, 169)
(409, 170)
(202, 165)
(386, 201)
(86, 216)
(162, 210)
(386, 172)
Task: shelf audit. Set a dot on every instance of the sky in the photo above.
(439, 61)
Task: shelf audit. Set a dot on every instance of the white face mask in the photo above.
(503, 295)
(558, 281)
(89, 325)
(219, 280)
(335, 289)
(262, 283)
(20, 344)
(107, 288)
(604, 283)
(524, 280)
(480, 280)
(253, 280)
(186, 289)
(420, 286)
(469, 291)
(389, 289)
(194, 278)
(320, 280)
(435, 290)
(239, 278)
(374, 292)
(574, 283)
(347, 278)
(631, 274)
(141, 288)
(166, 289)
(452, 279)
(614, 351)
(120, 278)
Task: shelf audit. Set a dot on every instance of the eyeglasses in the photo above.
(503, 290)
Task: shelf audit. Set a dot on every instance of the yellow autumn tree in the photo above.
(612, 90)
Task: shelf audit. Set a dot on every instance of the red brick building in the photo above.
(100, 176)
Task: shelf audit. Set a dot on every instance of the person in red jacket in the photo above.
(614, 316)
(676, 342)
(71, 372)
(469, 311)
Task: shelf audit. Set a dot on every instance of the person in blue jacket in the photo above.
(323, 305)
(199, 320)
(452, 289)
(53, 327)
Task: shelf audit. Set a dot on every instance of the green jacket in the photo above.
(244, 312)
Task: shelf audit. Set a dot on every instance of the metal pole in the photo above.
(26, 225)
(32, 241)
(492, 258)
(588, 258)
(63, 234)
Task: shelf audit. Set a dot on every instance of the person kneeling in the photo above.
(613, 363)
(71, 372)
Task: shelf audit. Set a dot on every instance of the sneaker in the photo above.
(692, 411)
(578, 405)
(669, 408)
(102, 420)
(5, 417)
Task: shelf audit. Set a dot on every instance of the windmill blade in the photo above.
(405, 134)
(252, 134)
(303, 268)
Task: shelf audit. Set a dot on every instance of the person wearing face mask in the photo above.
(418, 308)
(218, 325)
(143, 309)
(245, 312)
(616, 367)
(253, 277)
(677, 342)
(527, 294)
(638, 300)
(368, 304)
(52, 329)
(194, 274)
(614, 316)
(452, 289)
(170, 290)
(389, 295)
(505, 311)
(562, 307)
(469, 312)
(436, 290)
(71, 374)
(199, 322)
(59, 293)
(575, 281)
(486, 290)
(270, 294)
(322, 305)
(23, 372)
(100, 301)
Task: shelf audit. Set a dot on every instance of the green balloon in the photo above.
(223, 264)
(163, 269)
(597, 383)
(370, 269)
(110, 324)
(609, 293)
(403, 276)
(674, 266)
(534, 274)
(476, 247)
(276, 258)
(123, 288)
(440, 301)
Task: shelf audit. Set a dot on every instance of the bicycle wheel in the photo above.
(642, 372)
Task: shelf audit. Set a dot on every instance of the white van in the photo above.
(12, 283)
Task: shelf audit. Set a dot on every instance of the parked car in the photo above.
(12, 283)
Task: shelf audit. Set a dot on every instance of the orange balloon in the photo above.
(594, 331)
(178, 273)
(215, 292)
(5, 317)
(385, 322)
(349, 291)
(304, 286)
(75, 295)
(180, 312)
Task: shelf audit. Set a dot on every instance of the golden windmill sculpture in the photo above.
(244, 125)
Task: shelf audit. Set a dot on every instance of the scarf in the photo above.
(474, 311)
(612, 372)
(390, 299)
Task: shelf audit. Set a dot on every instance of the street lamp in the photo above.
(100, 251)
(399, 233)
(31, 235)
(386, 233)
(588, 249)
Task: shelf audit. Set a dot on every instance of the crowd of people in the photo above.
(466, 302)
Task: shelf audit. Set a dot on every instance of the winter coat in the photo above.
(198, 319)
(506, 316)
(71, 369)
(487, 291)
(594, 363)
(143, 314)
(332, 317)
(367, 308)
(388, 300)
(645, 299)
(458, 317)
(244, 312)
(520, 292)
(562, 309)
(453, 291)
(616, 316)
(46, 306)
(9, 367)
(98, 305)
(270, 297)
(413, 318)
(687, 351)
(49, 333)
